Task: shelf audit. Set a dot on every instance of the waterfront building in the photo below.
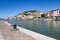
(43, 14)
(30, 16)
(53, 13)
(56, 12)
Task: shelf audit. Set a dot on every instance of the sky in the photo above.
(14, 7)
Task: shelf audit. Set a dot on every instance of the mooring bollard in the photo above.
(15, 27)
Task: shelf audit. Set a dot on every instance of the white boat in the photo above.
(48, 19)
(35, 19)
(57, 18)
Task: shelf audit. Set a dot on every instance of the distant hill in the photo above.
(26, 12)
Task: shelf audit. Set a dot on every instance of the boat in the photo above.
(57, 18)
(47, 19)
(36, 19)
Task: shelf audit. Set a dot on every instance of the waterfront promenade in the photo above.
(1, 36)
(12, 35)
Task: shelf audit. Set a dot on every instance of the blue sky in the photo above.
(13, 7)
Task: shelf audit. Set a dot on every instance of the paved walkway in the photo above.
(1, 36)
(12, 35)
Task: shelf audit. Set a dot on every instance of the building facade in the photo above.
(53, 13)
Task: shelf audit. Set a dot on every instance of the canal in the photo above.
(45, 27)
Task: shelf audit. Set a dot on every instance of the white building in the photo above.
(54, 13)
